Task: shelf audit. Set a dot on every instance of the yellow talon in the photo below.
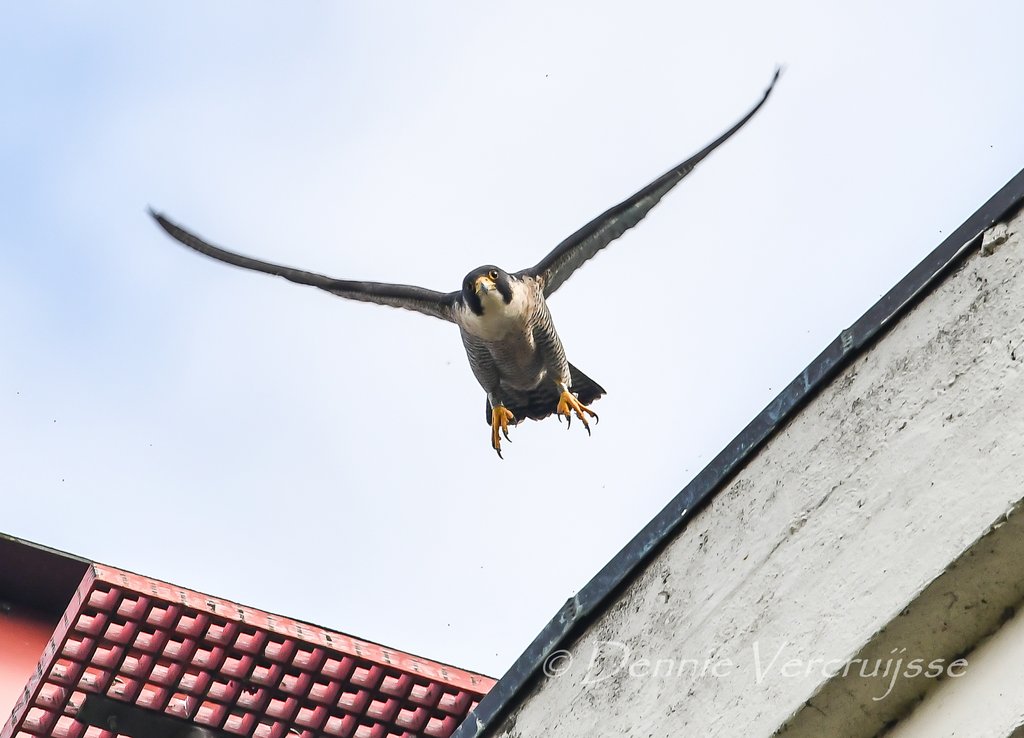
(501, 416)
(568, 404)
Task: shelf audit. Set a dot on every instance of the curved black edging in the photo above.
(598, 592)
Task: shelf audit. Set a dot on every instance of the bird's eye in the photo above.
(493, 274)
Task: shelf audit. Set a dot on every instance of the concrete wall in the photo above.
(985, 702)
(875, 530)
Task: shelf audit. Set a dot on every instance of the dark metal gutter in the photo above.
(600, 591)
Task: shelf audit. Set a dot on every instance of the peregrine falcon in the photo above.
(510, 340)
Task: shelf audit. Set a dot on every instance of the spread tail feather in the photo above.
(585, 388)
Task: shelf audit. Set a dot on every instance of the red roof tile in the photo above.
(169, 650)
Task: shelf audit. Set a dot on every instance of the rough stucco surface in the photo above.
(985, 702)
(970, 600)
(864, 499)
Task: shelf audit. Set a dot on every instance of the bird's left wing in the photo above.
(428, 302)
(571, 253)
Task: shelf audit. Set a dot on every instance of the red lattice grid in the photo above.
(232, 668)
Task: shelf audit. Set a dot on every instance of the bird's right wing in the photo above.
(419, 299)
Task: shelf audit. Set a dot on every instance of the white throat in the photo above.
(499, 318)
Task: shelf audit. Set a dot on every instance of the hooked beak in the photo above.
(484, 285)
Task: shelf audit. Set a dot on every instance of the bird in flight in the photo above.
(510, 340)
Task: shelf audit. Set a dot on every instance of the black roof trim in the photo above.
(38, 577)
(599, 591)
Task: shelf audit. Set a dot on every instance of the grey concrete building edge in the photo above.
(600, 591)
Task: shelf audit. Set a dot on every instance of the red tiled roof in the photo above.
(241, 671)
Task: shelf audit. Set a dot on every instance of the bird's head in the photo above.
(487, 286)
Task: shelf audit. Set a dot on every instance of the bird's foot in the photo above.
(501, 416)
(568, 404)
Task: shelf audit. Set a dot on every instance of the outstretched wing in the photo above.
(571, 253)
(428, 302)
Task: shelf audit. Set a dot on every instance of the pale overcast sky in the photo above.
(329, 460)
